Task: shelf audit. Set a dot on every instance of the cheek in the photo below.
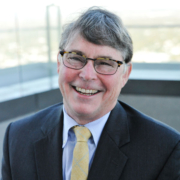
(113, 86)
(66, 76)
(63, 78)
(119, 84)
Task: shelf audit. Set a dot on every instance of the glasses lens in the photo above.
(103, 66)
(73, 61)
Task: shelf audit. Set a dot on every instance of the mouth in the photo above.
(87, 92)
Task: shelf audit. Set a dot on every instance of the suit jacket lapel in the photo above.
(109, 161)
(48, 150)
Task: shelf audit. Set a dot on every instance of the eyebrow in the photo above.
(77, 51)
(81, 53)
(108, 57)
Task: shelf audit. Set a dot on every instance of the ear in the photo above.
(126, 75)
(58, 62)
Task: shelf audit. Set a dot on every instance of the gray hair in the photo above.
(100, 27)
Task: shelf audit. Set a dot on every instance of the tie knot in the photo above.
(82, 133)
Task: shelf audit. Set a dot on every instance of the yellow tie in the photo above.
(80, 164)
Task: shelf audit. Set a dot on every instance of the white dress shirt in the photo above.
(69, 140)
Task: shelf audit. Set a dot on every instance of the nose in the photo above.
(88, 72)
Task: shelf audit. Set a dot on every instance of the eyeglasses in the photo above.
(75, 60)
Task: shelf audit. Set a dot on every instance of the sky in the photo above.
(69, 7)
(29, 11)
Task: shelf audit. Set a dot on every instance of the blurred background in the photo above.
(29, 37)
(30, 32)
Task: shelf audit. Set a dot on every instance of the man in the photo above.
(122, 143)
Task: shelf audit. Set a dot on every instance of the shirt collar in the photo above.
(95, 127)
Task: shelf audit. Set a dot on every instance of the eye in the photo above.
(105, 63)
(76, 58)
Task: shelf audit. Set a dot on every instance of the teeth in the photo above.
(87, 91)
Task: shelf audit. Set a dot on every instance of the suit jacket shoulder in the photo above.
(33, 146)
(134, 146)
(154, 147)
(32, 125)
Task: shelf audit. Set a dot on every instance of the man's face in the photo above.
(82, 107)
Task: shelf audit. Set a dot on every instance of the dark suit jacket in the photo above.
(132, 146)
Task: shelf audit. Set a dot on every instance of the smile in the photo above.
(87, 92)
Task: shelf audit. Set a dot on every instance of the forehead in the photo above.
(78, 43)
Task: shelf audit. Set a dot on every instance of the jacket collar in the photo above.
(109, 161)
(52, 118)
(48, 153)
(117, 126)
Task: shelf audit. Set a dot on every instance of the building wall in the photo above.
(163, 108)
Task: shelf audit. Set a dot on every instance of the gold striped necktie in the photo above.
(80, 164)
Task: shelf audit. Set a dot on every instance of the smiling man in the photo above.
(90, 87)
(92, 135)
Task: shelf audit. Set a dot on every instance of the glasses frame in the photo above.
(72, 52)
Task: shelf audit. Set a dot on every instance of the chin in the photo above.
(84, 111)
